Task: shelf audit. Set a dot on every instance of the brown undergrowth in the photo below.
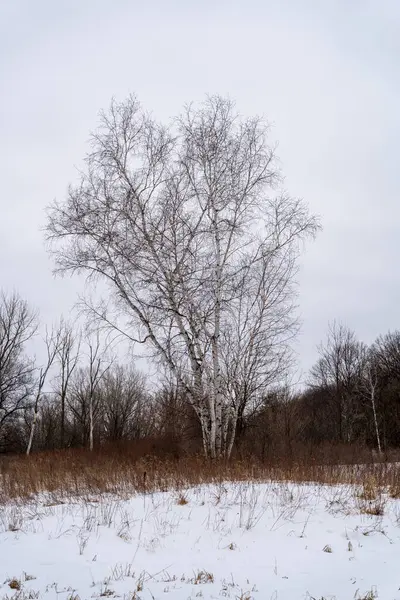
(117, 471)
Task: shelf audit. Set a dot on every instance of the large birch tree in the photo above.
(199, 248)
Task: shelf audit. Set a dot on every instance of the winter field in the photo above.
(264, 540)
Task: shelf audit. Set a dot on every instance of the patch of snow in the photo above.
(240, 541)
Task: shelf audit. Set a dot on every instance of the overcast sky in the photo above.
(325, 73)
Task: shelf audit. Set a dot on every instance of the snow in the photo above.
(238, 540)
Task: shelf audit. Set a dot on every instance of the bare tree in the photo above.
(175, 419)
(18, 323)
(386, 360)
(122, 391)
(386, 350)
(78, 406)
(281, 403)
(99, 364)
(177, 220)
(52, 341)
(369, 386)
(67, 358)
(339, 371)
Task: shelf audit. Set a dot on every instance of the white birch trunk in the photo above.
(378, 437)
(32, 432)
(91, 422)
(52, 342)
(231, 440)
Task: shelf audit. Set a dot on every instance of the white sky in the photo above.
(326, 74)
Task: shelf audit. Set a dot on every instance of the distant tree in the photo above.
(78, 406)
(122, 394)
(52, 342)
(67, 358)
(386, 350)
(18, 323)
(176, 422)
(339, 372)
(386, 360)
(100, 362)
(47, 429)
(370, 389)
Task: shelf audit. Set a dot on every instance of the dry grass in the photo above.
(182, 499)
(370, 488)
(376, 509)
(14, 584)
(394, 490)
(62, 474)
(201, 577)
(84, 476)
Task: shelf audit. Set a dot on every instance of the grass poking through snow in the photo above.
(186, 530)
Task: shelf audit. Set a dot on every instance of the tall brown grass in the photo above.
(123, 470)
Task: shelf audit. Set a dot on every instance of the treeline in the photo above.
(354, 390)
(81, 396)
(351, 399)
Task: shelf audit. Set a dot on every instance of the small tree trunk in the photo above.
(232, 436)
(91, 423)
(62, 429)
(212, 430)
(205, 437)
(378, 437)
(33, 427)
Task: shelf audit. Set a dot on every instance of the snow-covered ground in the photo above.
(239, 541)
